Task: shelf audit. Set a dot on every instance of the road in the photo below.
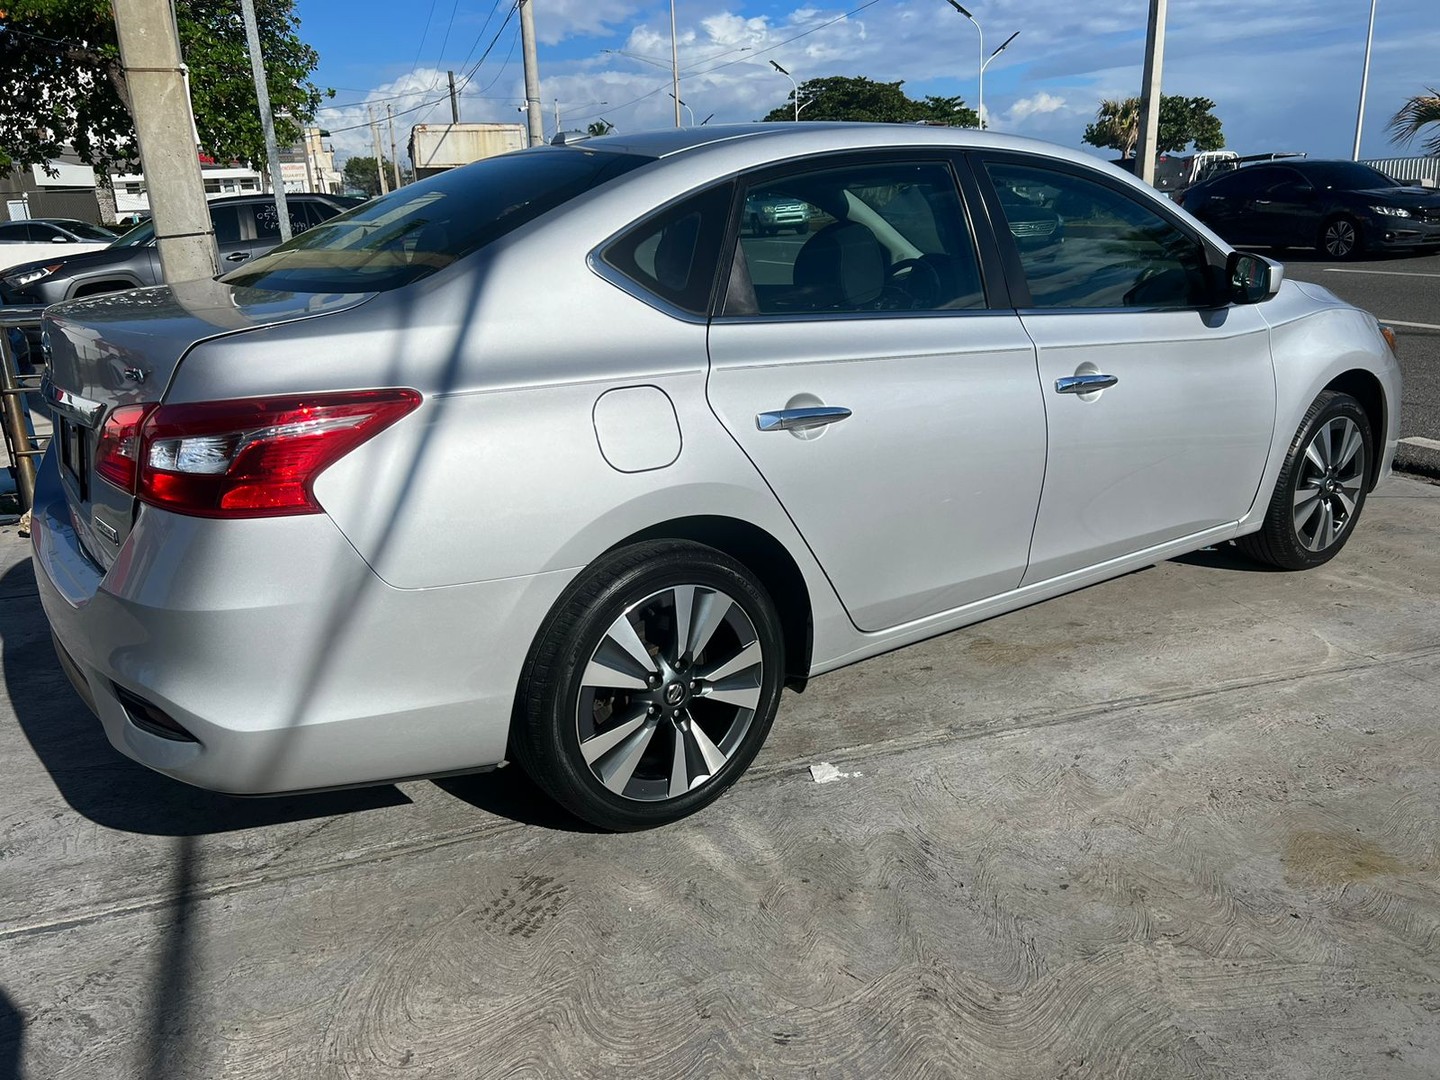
(1180, 824)
(1403, 290)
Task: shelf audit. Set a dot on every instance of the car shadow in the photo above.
(12, 1038)
(1226, 557)
(101, 783)
(510, 793)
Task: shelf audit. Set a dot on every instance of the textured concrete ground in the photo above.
(1185, 823)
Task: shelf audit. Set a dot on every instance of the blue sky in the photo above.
(1285, 73)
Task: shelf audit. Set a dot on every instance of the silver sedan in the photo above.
(551, 459)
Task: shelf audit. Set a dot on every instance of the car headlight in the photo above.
(1391, 211)
(29, 277)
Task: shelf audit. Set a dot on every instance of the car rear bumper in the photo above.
(288, 662)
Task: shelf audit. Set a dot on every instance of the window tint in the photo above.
(85, 231)
(44, 234)
(1347, 176)
(267, 219)
(425, 226)
(227, 224)
(1085, 245)
(674, 253)
(13, 232)
(884, 237)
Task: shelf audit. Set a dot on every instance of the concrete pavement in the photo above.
(1184, 823)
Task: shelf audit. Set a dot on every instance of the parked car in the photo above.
(45, 238)
(366, 509)
(766, 215)
(245, 226)
(1342, 208)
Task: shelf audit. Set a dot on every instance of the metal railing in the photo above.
(23, 444)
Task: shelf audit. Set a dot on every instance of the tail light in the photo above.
(255, 457)
(117, 451)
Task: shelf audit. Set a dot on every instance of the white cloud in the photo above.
(1040, 103)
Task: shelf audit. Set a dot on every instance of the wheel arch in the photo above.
(771, 563)
(1365, 388)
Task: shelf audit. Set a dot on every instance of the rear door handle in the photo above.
(1085, 384)
(237, 256)
(800, 419)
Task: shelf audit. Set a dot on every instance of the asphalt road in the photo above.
(1404, 291)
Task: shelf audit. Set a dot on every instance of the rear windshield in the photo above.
(411, 233)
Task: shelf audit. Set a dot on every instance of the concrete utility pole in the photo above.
(379, 154)
(454, 100)
(1150, 91)
(267, 118)
(532, 73)
(394, 153)
(150, 51)
(1364, 79)
(309, 170)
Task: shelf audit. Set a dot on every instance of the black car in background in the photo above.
(1342, 208)
(245, 226)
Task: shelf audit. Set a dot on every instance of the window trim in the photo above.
(1010, 250)
(992, 279)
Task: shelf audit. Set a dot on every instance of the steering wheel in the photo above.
(917, 280)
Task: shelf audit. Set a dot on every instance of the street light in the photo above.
(981, 62)
(794, 89)
(687, 109)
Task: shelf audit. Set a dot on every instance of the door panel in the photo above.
(924, 498)
(1176, 446)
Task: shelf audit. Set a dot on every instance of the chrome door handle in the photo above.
(800, 419)
(1084, 384)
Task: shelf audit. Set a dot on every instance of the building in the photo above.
(60, 188)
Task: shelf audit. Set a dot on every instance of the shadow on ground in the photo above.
(12, 1036)
(104, 785)
(509, 793)
(1226, 557)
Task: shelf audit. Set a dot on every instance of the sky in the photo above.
(1285, 74)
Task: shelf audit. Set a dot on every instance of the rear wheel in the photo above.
(1340, 238)
(1321, 489)
(651, 686)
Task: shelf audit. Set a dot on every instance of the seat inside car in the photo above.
(841, 267)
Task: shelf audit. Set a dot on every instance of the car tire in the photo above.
(628, 745)
(1340, 238)
(1321, 488)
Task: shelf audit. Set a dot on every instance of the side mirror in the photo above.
(59, 240)
(1252, 278)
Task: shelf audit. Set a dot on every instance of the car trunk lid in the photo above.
(121, 349)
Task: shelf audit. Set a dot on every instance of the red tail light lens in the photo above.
(117, 451)
(257, 457)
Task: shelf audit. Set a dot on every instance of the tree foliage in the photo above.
(841, 97)
(1184, 121)
(1414, 116)
(600, 127)
(359, 173)
(62, 83)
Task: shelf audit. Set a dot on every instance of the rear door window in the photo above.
(227, 224)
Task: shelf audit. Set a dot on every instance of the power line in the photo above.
(787, 41)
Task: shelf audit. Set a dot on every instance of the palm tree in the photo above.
(1117, 125)
(1420, 110)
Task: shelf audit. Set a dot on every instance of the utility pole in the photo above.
(1150, 91)
(309, 170)
(267, 118)
(454, 100)
(394, 154)
(1364, 79)
(150, 51)
(379, 154)
(674, 65)
(532, 73)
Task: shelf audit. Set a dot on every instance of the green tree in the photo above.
(841, 97)
(1419, 112)
(360, 174)
(600, 127)
(61, 81)
(1184, 121)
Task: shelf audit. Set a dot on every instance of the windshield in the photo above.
(140, 234)
(411, 233)
(1347, 176)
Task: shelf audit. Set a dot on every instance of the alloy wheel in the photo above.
(1339, 238)
(669, 693)
(1328, 489)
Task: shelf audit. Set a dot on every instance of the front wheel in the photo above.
(651, 687)
(1321, 489)
(1340, 238)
